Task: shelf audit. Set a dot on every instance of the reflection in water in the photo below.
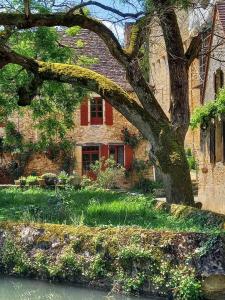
(19, 289)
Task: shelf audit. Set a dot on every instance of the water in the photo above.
(21, 289)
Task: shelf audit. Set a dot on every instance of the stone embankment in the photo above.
(123, 259)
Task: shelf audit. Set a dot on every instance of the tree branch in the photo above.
(193, 49)
(108, 8)
(138, 32)
(62, 19)
(93, 81)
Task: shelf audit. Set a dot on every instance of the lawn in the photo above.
(92, 208)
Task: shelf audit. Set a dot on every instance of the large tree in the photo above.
(166, 135)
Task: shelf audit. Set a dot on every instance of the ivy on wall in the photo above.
(203, 115)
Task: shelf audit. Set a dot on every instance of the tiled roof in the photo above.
(94, 47)
(221, 12)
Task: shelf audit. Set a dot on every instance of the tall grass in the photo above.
(90, 207)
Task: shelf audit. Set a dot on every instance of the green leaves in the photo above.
(203, 115)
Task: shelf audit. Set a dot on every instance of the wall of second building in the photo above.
(212, 175)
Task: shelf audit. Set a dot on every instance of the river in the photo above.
(23, 289)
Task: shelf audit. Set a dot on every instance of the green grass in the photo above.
(92, 208)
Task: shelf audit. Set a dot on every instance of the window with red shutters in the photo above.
(116, 152)
(96, 110)
(90, 154)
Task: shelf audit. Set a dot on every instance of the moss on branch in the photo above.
(92, 80)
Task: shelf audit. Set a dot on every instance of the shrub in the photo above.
(191, 160)
(148, 186)
(22, 181)
(32, 180)
(50, 179)
(107, 173)
(63, 177)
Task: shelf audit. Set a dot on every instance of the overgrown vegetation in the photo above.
(203, 115)
(97, 207)
(126, 260)
(107, 174)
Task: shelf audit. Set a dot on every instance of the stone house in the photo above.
(98, 129)
(212, 151)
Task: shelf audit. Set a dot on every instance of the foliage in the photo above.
(52, 109)
(51, 179)
(107, 173)
(203, 115)
(193, 165)
(131, 139)
(146, 185)
(32, 180)
(185, 284)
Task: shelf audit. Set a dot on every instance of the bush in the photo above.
(148, 186)
(22, 181)
(32, 180)
(50, 179)
(191, 160)
(108, 173)
(63, 177)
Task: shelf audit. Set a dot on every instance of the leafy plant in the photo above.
(131, 139)
(32, 180)
(203, 115)
(147, 185)
(50, 179)
(107, 173)
(191, 160)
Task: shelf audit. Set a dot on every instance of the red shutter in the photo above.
(128, 157)
(104, 151)
(84, 113)
(104, 155)
(108, 113)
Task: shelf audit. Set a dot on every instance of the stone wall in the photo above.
(212, 176)
(123, 260)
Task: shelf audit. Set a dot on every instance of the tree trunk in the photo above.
(178, 186)
(172, 162)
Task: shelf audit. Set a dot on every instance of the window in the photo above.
(117, 153)
(90, 154)
(96, 111)
(218, 81)
(93, 113)
(217, 141)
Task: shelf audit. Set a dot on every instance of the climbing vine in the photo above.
(131, 139)
(203, 115)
